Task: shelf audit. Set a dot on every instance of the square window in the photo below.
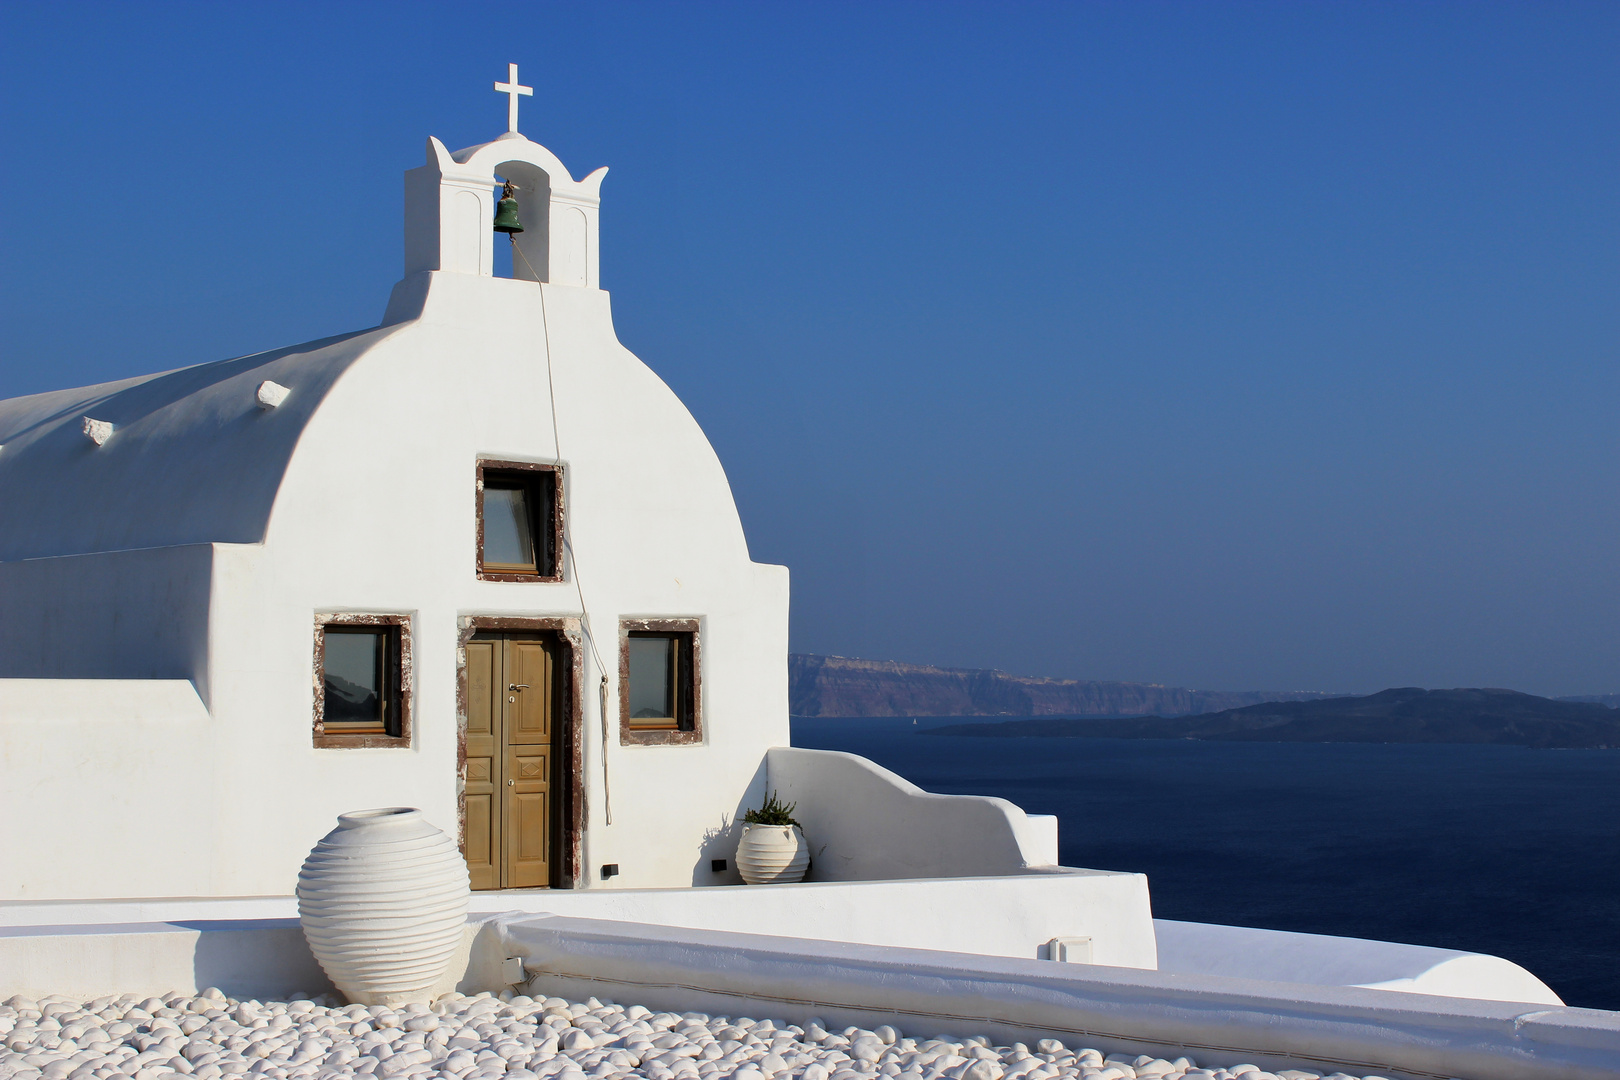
(519, 521)
(362, 681)
(659, 687)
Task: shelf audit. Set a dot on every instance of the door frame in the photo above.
(570, 730)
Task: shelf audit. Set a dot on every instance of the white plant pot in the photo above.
(772, 854)
(383, 901)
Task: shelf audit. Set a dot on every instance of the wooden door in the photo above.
(481, 773)
(509, 773)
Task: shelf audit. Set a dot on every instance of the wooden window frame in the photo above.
(569, 738)
(553, 537)
(630, 734)
(338, 739)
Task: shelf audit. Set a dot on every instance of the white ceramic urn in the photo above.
(383, 901)
(772, 854)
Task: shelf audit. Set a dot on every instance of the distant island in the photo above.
(1403, 715)
(830, 686)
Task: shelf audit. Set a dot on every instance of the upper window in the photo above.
(660, 695)
(519, 521)
(362, 680)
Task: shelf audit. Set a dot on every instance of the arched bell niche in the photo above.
(531, 248)
(450, 213)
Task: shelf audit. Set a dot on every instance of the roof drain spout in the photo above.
(98, 431)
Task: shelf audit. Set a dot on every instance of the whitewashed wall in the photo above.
(866, 823)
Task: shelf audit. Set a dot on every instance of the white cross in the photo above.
(511, 89)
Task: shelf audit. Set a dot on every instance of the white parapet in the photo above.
(1243, 952)
(1013, 916)
(866, 823)
(264, 958)
(1218, 1021)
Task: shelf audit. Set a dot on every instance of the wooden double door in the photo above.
(511, 772)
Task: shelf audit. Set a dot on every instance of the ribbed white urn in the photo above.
(383, 901)
(772, 854)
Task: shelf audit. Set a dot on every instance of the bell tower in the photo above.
(450, 208)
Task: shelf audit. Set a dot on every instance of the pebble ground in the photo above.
(471, 1038)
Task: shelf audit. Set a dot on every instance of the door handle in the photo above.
(511, 783)
(518, 686)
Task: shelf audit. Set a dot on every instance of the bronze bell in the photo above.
(506, 219)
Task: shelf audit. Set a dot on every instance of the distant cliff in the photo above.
(1611, 700)
(1403, 715)
(839, 686)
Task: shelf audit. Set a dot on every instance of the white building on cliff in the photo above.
(480, 560)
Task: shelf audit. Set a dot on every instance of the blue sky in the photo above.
(1232, 346)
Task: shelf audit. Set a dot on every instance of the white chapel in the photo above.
(408, 565)
(481, 561)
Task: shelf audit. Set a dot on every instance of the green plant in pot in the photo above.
(772, 850)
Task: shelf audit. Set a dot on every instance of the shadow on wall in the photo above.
(258, 958)
(193, 458)
(721, 841)
(111, 615)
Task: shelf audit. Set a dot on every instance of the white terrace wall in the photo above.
(107, 785)
(865, 823)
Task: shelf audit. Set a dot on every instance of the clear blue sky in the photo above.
(1223, 345)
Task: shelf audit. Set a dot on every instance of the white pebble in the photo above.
(983, 1069)
(518, 1037)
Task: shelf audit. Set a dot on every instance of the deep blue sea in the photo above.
(1492, 849)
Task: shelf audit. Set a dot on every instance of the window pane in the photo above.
(651, 665)
(507, 538)
(352, 669)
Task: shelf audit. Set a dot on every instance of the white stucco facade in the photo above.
(171, 542)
